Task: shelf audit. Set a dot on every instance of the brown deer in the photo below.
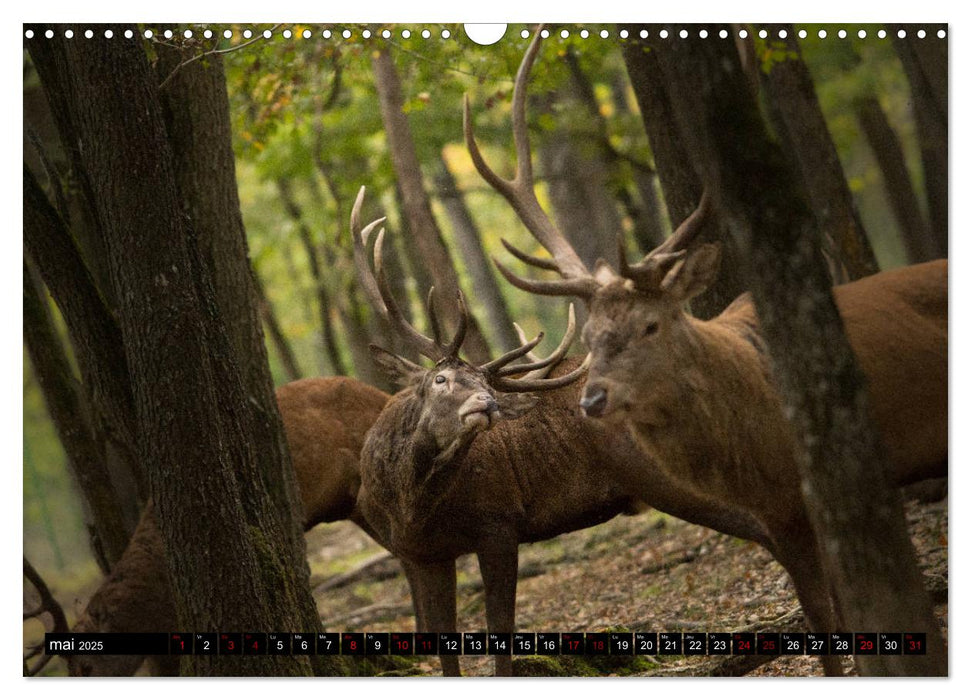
(325, 420)
(698, 397)
(450, 468)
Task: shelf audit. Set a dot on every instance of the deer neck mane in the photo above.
(405, 465)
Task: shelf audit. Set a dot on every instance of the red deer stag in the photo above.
(448, 469)
(698, 396)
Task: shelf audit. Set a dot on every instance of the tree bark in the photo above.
(925, 63)
(477, 263)
(324, 304)
(425, 235)
(214, 447)
(70, 415)
(283, 350)
(95, 337)
(623, 174)
(679, 182)
(886, 147)
(576, 179)
(807, 143)
(360, 330)
(857, 517)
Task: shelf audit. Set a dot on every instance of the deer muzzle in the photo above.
(481, 409)
(593, 403)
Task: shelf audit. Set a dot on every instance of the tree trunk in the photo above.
(477, 263)
(645, 217)
(807, 143)
(425, 235)
(283, 350)
(213, 446)
(69, 413)
(80, 216)
(925, 63)
(359, 329)
(679, 181)
(324, 305)
(576, 179)
(886, 147)
(872, 568)
(95, 337)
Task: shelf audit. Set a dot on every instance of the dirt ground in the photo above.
(649, 572)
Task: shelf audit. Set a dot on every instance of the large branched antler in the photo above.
(519, 192)
(378, 291)
(48, 605)
(537, 368)
(657, 268)
(576, 280)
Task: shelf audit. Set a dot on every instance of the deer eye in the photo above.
(440, 379)
(651, 328)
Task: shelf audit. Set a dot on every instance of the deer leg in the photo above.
(413, 576)
(433, 588)
(500, 569)
(805, 569)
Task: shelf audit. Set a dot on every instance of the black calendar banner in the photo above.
(493, 644)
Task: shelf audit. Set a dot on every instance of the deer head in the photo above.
(455, 399)
(636, 326)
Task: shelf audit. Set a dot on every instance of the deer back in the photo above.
(326, 420)
(896, 322)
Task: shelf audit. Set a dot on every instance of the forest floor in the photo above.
(649, 572)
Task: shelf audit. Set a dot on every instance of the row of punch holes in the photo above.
(447, 34)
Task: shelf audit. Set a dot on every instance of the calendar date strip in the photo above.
(489, 643)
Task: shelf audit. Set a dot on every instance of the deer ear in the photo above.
(399, 370)
(694, 274)
(513, 406)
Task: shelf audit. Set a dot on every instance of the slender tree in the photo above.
(925, 63)
(679, 182)
(644, 215)
(68, 409)
(283, 349)
(477, 263)
(424, 233)
(889, 153)
(324, 304)
(840, 457)
(94, 335)
(576, 179)
(807, 143)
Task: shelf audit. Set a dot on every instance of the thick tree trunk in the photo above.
(886, 147)
(324, 304)
(807, 143)
(70, 415)
(196, 109)
(925, 63)
(214, 447)
(477, 263)
(858, 518)
(283, 350)
(679, 181)
(425, 235)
